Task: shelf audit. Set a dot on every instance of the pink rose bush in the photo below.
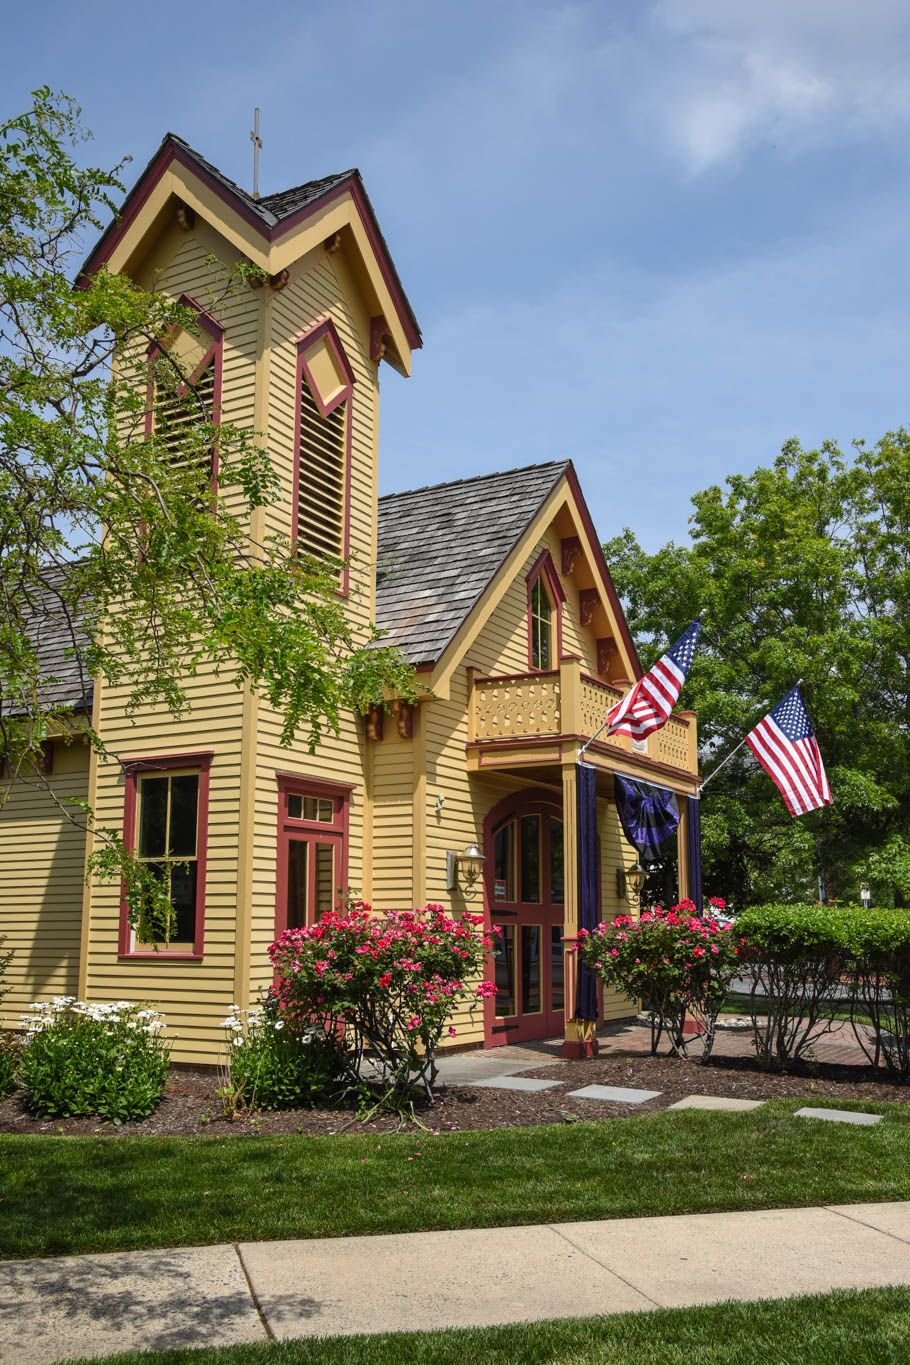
(675, 962)
(386, 982)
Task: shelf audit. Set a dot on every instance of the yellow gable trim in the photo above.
(561, 499)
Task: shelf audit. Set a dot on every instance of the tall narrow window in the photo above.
(545, 599)
(312, 850)
(185, 396)
(325, 390)
(320, 491)
(541, 627)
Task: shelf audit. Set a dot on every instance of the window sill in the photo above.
(170, 955)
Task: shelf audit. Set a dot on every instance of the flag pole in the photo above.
(586, 746)
(731, 755)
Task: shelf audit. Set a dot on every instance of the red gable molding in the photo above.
(170, 152)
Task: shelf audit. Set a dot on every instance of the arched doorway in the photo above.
(524, 892)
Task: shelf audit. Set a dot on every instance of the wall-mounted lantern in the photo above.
(470, 864)
(630, 879)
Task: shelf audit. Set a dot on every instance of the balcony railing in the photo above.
(566, 701)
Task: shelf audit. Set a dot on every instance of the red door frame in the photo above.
(546, 1023)
(315, 831)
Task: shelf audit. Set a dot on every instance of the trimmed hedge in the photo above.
(805, 960)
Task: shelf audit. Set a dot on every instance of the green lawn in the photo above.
(62, 1195)
(867, 1328)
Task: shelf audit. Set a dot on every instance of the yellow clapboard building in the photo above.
(494, 587)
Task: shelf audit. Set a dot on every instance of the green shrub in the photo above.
(272, 1065)
(879, 944)
(109, 1060)
(10, 1059)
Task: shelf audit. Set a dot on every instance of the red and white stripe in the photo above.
(795, 768)
(647, 707)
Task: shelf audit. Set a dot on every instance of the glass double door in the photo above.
(526, 898)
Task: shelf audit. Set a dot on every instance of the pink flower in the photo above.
(452, 1031)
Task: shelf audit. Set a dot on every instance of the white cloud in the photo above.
(791, 73)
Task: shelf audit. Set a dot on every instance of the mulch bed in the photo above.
(191, 1108)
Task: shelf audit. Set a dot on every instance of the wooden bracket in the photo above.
(373, 721)
(404, 718)
(588, 599)
(186, 217)
(380, 337)
(279, 281)
(571, 549)
(332, 243)
(607, 656)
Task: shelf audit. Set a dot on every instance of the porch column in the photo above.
(580, 1035)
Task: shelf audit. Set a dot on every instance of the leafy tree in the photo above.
(804, 571)
(111, 533)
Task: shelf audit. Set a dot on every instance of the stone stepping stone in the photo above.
(525, 1083)
(715, 1102)
(615, 1094)
(840, 1116)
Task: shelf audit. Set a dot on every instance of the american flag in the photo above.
(647, 707)
(785, 745)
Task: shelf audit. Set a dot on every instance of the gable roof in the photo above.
(440, 546)
(271, 214)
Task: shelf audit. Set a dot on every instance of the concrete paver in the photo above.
(422, 1280)
(732, 1106)
(525, 1083)
(124, 1301)
(615, 1094)
(854, 1116)
(772, 1253)
(467, 1068)
(93, 1305)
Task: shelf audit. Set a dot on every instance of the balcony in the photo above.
(560, 710)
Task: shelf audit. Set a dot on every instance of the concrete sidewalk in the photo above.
(209, 1296)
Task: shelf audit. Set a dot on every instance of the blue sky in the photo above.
(657, 236)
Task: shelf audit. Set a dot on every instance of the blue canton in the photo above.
(792, 717)
(682, 650)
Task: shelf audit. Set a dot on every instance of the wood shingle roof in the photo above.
(440, 546)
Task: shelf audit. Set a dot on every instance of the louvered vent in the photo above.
(177, 412)
(320, 492)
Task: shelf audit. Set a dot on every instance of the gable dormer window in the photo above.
(541, 627)
(322, 459)
(545, 599)
(185, 382)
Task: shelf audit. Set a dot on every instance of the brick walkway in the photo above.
(838, 1047)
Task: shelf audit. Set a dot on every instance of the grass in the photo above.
(740, 1003)
(869, 1327)
(66, 1195)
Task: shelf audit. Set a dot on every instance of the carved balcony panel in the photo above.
(671, 744)
(517, 706)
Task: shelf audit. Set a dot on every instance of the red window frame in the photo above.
(160, 763)
(315, 831)
(215, 349)
(544, 567)
(305, 343)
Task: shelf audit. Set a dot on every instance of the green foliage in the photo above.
(274, 1066)
(10, 1061)
(804, 569)
(111, 533)
(109, 1060)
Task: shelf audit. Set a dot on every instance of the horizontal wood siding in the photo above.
(194, 995)
(319, 288)
(42, 860)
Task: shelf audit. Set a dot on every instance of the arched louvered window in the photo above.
(185, 395)
(325, 384)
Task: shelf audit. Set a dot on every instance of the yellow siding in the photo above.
(318, 288)
(42, 855)
(193, 994)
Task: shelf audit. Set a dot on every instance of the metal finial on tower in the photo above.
(257, 147)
